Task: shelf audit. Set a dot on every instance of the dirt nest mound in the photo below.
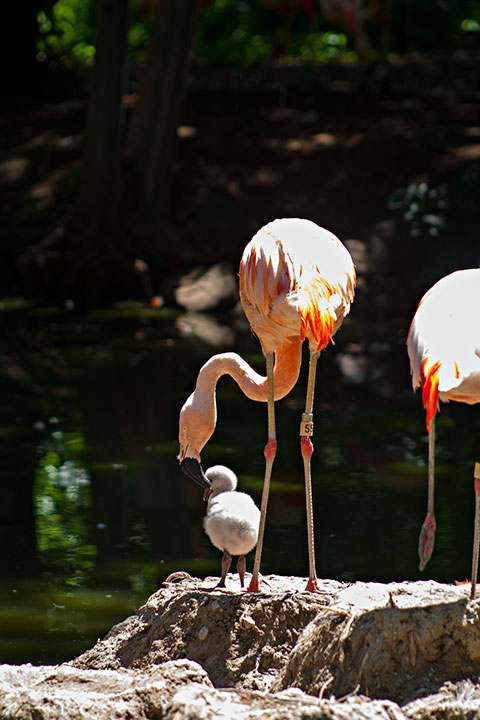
(395, 641)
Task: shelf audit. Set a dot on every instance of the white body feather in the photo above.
(290, 265)
(446, 329)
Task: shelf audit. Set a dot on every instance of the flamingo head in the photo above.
(426, 540)
(194, 432)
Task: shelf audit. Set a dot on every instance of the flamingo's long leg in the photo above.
(269, 452)
(476, 531)
(306, 431)
(426, 540)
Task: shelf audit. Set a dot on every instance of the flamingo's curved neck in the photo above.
(287, 368)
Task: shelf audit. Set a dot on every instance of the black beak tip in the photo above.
(194, 471)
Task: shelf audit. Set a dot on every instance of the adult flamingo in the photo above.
(444, 349)
(296, 282)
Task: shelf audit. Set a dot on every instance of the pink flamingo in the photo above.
(444, 349)
(296, 282)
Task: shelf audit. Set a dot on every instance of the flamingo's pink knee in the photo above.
(306, 446)
(270, 449)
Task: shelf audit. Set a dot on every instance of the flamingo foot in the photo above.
(426, 541)
(253, 585)
(312, 586)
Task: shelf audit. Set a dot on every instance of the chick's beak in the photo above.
(194, 471)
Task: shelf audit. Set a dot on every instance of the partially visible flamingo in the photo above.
(444, 349)
(296, 282)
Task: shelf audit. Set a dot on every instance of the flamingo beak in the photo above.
(194, 471)
(206, 494)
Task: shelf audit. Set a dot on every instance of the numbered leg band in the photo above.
(306, 426)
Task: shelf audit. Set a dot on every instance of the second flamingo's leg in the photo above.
(476, 531)
(426, 540)
(269, 452)
(306, 432)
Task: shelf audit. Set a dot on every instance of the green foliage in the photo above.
(244, 33)
(62, 503)
(67, 33)
(228, 34)
(138, 39)
(322, 46)
(237, 32)
(471, 17)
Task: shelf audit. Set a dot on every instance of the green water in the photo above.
(95, 512)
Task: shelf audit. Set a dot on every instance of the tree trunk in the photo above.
(149, 152)
(122, 211)
(91, 266)
(98, 192)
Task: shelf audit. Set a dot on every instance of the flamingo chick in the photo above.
(444, 350)
(231, 521)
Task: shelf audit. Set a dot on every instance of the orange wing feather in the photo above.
(429, 383)
(315, 313)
